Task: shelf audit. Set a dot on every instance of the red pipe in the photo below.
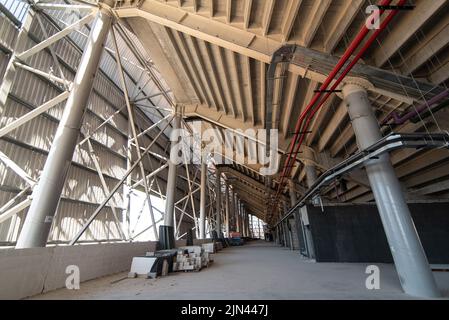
(349, 67)
(354, 44)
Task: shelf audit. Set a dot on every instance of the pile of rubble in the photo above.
(194, 258)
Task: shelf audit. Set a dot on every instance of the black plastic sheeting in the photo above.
(162, 255)
(354, 233)
(166, 238)
(189, 238)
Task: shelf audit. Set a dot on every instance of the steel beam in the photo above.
(58, 36)
(117, 186)
(34, 113)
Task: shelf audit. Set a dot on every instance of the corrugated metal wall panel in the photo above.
(29, 144)
(9, 228)
(3, 63)
(30, 161)
(72, 215)
(7, 32)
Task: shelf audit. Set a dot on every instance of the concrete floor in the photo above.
(258, 270)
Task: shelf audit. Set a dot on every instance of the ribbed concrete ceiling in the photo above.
(214, 56)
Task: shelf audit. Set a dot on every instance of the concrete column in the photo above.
(227, 208)
(408, 254)
(47, 193)
(218, 203)
(203, 192)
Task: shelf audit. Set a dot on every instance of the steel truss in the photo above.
(149, 181)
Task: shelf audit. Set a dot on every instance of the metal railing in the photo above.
(387, 144)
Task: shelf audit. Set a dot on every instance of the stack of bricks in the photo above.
(191, 258)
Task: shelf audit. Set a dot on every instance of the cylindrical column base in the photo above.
(166, 237)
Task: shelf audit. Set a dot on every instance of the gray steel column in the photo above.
(286, 228)
(171, 180)
(248, 228)
(47, 193)
(237, 215)
(311, 176)
(232, 212)
(203, 201)
(218, 200)
(227, 209)
(300, 229)
(408, 254)
(167, 230)
(242, 212)
(244, 222)
(250, 224)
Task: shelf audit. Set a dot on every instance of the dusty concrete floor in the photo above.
(258, 270)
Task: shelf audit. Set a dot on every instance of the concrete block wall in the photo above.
(199, 242)
(196, 242)
(180, 243)
(27, 272)
(23, 272)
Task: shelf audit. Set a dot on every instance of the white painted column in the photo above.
(47, 193)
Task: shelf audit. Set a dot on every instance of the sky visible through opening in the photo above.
(18, 8)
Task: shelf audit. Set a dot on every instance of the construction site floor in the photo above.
(257, 270)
